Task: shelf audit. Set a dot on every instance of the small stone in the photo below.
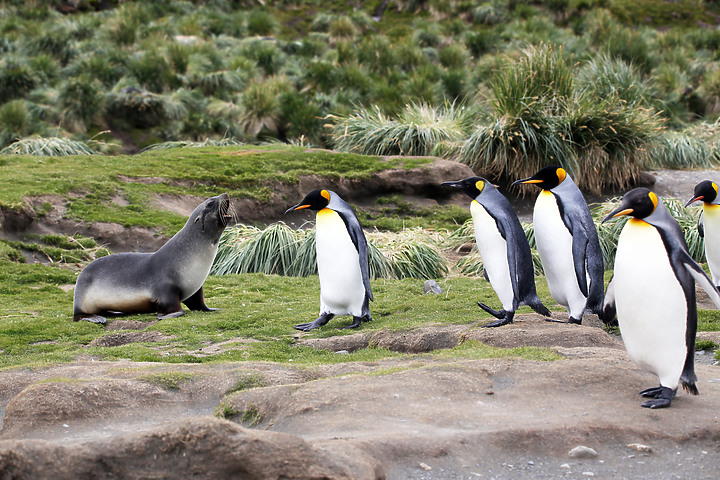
(489, 391)
(425, 466)
(582, 452)
(640, 447)
(565, 465)
(343, 352)
(431, 286)
(588, 474)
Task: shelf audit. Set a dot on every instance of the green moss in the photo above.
(89, 183)
(168, 380)
(705, 345)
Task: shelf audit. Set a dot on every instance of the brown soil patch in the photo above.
(415, 416)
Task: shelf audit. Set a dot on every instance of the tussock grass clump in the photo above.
(47, 147)
(278, 249)
(417, 130)
(540, 117)
(687, 149)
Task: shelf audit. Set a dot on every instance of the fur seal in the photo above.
(155, 282)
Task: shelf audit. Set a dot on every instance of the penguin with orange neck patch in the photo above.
(504, 250)
(709, 224)
(567, 242)
(653, 294)
(342, 260)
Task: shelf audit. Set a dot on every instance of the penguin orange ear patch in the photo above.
(653, 199)
(480, 185)
(715, 187)
(325, 194)
(561, 174)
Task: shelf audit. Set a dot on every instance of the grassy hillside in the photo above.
(146, 72)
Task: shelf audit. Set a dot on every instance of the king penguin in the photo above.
(567, 242)
(504, 250)
(653, 294)
(709, 224)
(342, 260)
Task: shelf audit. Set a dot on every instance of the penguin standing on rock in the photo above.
(342, 260)
(567, 242)
(709, 224)
(653, 294)
(504, 250)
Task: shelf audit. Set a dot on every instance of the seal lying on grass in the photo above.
(155, 282)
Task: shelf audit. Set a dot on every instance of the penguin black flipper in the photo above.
(687, 272)
(520, 263)
(701, 226)
(585, 245)
(347, 214)
(609, 313)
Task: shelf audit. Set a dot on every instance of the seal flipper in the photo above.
(321, 320)
(90, 318)
(168, 303)
(196, 301)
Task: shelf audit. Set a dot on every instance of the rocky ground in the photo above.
(419, 416)
(415, 417)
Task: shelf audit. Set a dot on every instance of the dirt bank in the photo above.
(418, 416)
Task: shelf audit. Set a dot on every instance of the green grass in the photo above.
(36, 326)
(88, 183)
(168, 380)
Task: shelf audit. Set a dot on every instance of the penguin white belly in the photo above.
(493, 250)
(650, 302)
(711, 223)
(554, 245)
(341, 287)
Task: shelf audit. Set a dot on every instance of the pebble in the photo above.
(425, 466)
(431, 286)
(582, 452)
(588, 474)
(343, 352)
(565, 465)
(640, 447)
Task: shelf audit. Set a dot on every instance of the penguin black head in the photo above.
(546, 178)
(638, 203)
(706, 191)
(315, 200)
(473, 186)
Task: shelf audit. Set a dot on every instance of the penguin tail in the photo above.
(537, 305)
(689, 387)
(541, 309)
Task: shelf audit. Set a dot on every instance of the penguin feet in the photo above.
(321, 320)
(571, 320)
(501, 314)
(356, 322)
(662, 397)
(507, 319)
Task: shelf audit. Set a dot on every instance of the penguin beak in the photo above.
(618, 212)
(299, 206)
(451, 184)
(694, 199)
(526, 180)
